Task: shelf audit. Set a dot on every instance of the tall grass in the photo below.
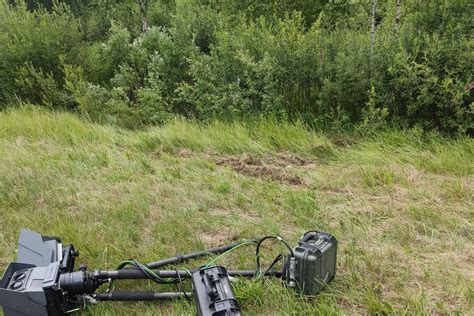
(399, 223)
(258, 137)
(35, 123)
(431, 152)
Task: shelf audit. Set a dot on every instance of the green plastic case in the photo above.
(315, 262)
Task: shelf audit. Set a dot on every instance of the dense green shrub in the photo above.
(135, 62)
(31, 46)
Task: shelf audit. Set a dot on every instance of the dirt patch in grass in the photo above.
(218, 238)
(276, 167)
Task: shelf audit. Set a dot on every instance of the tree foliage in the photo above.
(331, 63)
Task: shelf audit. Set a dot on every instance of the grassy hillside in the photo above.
(400, 203)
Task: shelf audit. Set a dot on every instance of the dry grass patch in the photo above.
(275, 167)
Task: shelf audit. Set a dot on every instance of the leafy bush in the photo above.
(316, 61)
(32, 43)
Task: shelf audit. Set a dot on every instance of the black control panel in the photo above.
(213, 293)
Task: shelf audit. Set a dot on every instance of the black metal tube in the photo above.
(139, 296)
(251, 273)
(132, 274)
(182, 258)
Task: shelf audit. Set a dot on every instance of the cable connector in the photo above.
(292, 272)
(90, 300)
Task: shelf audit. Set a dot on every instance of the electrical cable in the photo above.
(228, 251)
(275, 261)
(146, 271)
(194, 255)
(257, 251)
(181, 287)
(156, 278)
(189, 272)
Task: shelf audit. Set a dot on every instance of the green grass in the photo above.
(400, 203)
(232, 138)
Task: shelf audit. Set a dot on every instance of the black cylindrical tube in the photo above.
(78, 282)
(131, 274)
(182, 258)
(251, 273)
(138, 296)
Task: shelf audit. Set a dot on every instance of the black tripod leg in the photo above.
(139, 296)
(131, 274)
(194, 255)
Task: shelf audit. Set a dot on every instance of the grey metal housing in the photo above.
(38, 250)
(24, 284)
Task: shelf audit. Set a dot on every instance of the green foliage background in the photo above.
(310, 60)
